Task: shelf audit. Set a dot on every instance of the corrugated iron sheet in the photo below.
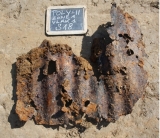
(56, 87)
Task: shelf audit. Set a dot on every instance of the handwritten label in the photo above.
(67, 20)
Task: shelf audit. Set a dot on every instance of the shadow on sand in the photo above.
(13, 118)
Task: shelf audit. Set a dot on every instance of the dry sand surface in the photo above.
(22, 27)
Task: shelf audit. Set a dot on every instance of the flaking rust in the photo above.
(120, 63)
(53, 85)
(56, 87)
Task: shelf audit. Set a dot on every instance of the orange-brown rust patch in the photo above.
(86, 76)
(65, 83)
(91, 108)
(57, 48)
(140, 63)
(23, 66)
(24, 112)
(40, 120)
(78, 121)
(129, 18)
(65, 109)
(83, 65)
(49, 99)
(141, 44)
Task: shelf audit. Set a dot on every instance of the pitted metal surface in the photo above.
(56, 87)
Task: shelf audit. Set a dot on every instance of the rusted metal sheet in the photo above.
(121, 63)
(56, 87)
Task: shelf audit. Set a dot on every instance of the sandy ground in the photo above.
(22, 27)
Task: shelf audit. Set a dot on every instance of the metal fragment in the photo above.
(56, 87)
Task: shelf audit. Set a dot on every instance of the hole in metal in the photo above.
(68, 103)
(86, 103)
(51, 67)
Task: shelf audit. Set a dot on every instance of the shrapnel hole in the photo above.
(127, 36)
(68, 103)
(86, 103)
(41, 75)
(51, 67)
(130, 52)
(120, 35)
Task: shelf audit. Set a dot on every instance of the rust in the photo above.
(125, 79)
(56, 87)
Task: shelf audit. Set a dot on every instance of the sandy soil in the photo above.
(22, 27)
